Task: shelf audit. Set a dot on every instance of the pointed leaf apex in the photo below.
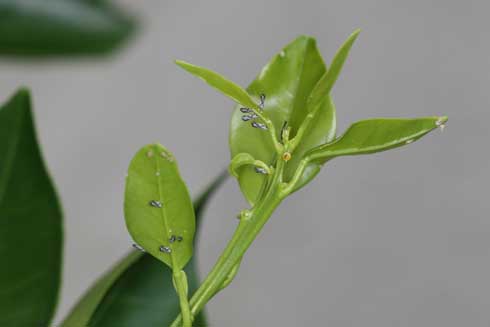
(24, 92)
(356, 32)
(443, 119)
(222, 84)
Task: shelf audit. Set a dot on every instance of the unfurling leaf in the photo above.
(157, 207)
(245, 159)
(225, 86)
(375, 135)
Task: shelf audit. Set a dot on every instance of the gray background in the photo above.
(400, 238)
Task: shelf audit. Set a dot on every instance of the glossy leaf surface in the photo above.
(225, 86)
(375, 135)
(325, 84)
(138, 291)
(30, 222)
(246, 161)
(319, 95)
(61, 27)
(287, 81)
(157, 206)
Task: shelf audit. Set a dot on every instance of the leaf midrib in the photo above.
(162, 210)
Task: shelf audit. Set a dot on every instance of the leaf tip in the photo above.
(353, 37)
(182, 64)
(303, 38)
(23, 91)
(443, 119)
(22, 94)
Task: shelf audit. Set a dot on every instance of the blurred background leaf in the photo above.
(62, 27)
(30, 222)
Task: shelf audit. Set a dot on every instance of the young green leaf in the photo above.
(375, 135)
(225, 86)
(325, 84)
(138, 290)
(157, 207)
(61, 27)
(30, 222)
(245, 159)
(316, 100)
(287, 81)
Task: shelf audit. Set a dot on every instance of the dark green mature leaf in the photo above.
(225, 86)
(138, 291)
(61, 27)
(157, 206)
(30, 222)
(81, 314)
(375, 135)
(287, 81)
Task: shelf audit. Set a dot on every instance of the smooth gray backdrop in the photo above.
(400, 238)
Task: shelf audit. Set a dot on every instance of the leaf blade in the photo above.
(30, 221)
(325, 84)
(60, 27)
(376, 135)
(141, 293)
(225, 86)
(157, 207)
(81, 313)
(287, 80)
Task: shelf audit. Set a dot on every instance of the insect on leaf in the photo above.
(245, 159)
(225, 86)
(287, 80)
(157, 207)
(138, 290)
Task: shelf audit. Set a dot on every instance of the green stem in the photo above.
(250, 225)
(302, 129)
(180, 284)
(272, 130)
(289, 187)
